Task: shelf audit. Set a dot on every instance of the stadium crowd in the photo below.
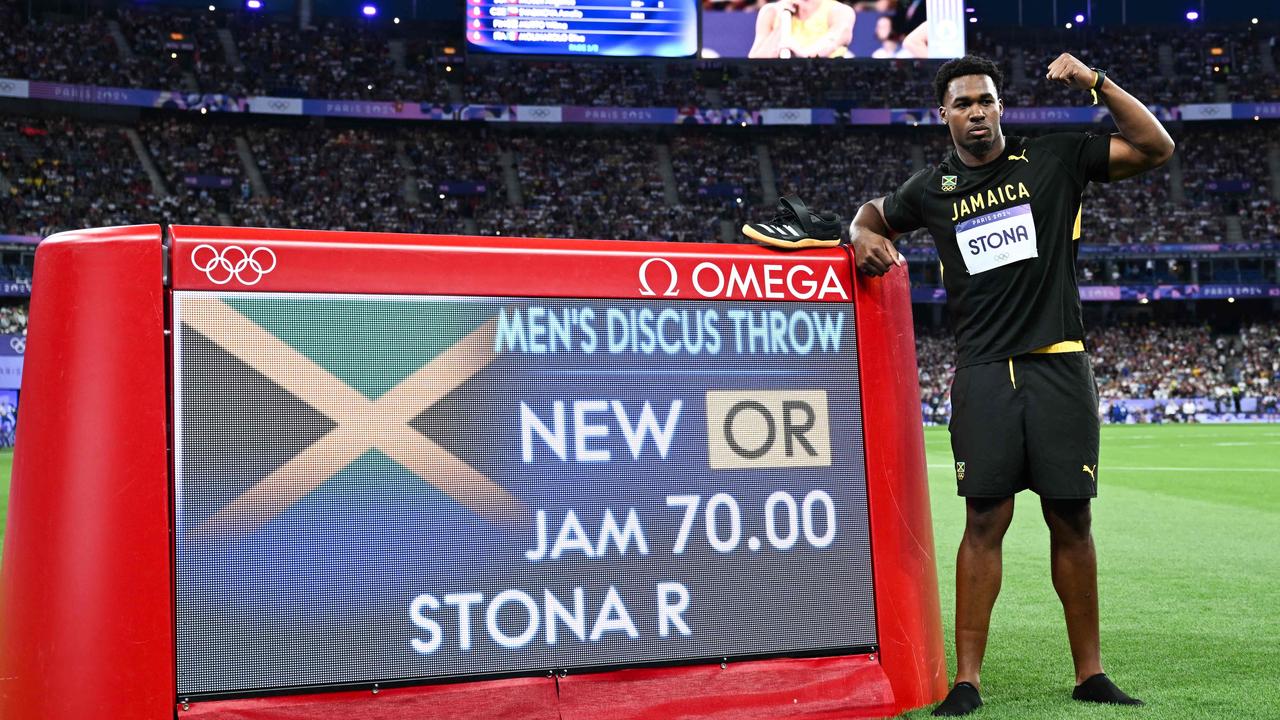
(61, 173)
(1154, 372)
(236, 52)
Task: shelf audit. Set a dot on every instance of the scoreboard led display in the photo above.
(615, 28)
(371, 488)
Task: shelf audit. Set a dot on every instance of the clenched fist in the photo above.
(1069, 71)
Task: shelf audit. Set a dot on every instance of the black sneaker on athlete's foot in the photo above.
(795, 226)
(962, 700)
(1100, 689)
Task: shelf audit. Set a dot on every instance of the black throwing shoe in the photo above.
(962, 700)
(1100, 689)
(795, 227)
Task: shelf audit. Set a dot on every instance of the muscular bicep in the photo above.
(878, 206)
(917, 41)
(902, 210)
(841, 20)
(1125, 159)
(764, 45)
(871, 216)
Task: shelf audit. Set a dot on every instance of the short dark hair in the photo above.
(967, 65)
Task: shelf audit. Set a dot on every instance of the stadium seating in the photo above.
(68, 173)
(374, 60)
(1145, 368)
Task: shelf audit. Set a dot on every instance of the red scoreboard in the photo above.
(299, 474)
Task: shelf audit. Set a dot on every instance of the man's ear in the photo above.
(942, 113)
(1000, 104)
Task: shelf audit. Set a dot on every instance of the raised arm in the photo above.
(1142, 143)
(872, 240)
(768, 38)
(917, 41)
(840, 18)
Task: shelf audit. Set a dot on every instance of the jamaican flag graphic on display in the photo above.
(301, 391)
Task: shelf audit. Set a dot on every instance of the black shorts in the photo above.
(1029, 422)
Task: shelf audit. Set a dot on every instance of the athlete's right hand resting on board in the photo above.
(873, 251)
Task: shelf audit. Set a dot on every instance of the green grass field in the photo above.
(1188, 534)
(1187, 525)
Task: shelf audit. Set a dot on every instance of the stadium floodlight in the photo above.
(1079, 18)
(1192, 15)
(253, 4)
(369, 10)
(395, 20)
(1254, 21)
(212, 8)
(1068, 26)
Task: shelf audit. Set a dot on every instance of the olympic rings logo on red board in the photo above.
(233, 262)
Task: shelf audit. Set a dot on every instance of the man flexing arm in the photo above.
(1025, 408)
(1141, 144)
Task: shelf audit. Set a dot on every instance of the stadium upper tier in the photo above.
(677, 183)
(249, 54)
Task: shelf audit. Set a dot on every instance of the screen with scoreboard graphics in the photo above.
(373, 488)
(836, 29)
(613, 28)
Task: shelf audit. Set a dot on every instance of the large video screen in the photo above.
(613, 28)
(374, 488)
(794, 29)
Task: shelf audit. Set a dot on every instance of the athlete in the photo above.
(1004, 213)
(803, 28)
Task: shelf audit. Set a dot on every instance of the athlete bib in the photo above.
(997, 239)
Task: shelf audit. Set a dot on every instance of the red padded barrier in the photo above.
(908, 617)
(515, 699)
(86, 611)
(812, 689)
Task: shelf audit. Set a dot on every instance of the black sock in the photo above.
(962, 700)
(1100, 689)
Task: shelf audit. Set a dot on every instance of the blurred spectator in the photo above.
(1151, 372)
(13, 319)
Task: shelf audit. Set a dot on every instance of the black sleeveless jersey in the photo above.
(1005, 233)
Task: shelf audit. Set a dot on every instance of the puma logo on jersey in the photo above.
(1090, 470)
(1022, 157)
